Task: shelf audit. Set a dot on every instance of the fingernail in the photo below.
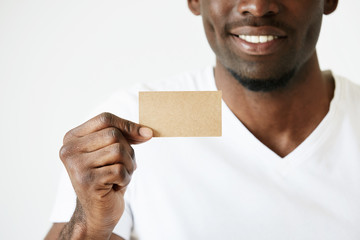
(146, 132)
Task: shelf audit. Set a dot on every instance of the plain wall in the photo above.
(59, 59)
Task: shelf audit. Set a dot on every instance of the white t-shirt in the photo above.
(234, 187)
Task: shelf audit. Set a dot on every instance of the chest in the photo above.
(215, 191)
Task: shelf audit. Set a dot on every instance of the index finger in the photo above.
(133, 132)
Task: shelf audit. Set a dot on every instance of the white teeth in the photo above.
(263, 39)
(258, 39)
(255, 39)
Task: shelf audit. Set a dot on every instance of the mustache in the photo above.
(258, 22)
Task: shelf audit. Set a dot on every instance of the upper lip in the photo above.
(258, 31)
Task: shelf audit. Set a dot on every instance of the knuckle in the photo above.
(67, 151)
(128, 126)
(64, 152)
(84, 178)
(120, 171)
(118, 149)
(114, 134)
(132, 153)
(114, 170)
(125, 176)
(67, 136)
(106, 118)
(132, 160)
(123, 154)
(72, 164)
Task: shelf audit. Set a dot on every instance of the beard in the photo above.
(264, 85)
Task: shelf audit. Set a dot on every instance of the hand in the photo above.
(100, 161)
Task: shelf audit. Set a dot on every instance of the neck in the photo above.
(283, 118)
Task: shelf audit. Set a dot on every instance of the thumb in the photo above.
(146, 132)
(133, 132)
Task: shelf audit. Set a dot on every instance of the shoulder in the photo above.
(348, 91)
(124, 102)
(199, 80)
(347, 99)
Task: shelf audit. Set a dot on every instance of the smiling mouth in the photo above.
(259, 45)
(257, 38)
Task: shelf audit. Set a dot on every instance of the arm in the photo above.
(58, 227)
(100, 161)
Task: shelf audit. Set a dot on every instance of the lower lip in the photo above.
(259, 49)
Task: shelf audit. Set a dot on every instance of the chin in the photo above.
(263, 84)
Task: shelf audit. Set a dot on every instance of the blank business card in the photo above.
(181, 114)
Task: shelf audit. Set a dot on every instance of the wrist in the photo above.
(81, 226)
(81, 231)
(94, 232)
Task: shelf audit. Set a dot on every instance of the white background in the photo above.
(59, 59)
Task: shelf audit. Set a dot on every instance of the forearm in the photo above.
(55, 233)
(77, 228)
(75, 231)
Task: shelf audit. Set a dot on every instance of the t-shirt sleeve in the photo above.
(65, 204)
(125, 224)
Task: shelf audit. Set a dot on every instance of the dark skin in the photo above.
(100, 161)
(98, 154)
(283, 118)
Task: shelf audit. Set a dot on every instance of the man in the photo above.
(286, 167)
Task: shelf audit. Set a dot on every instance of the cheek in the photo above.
(309, 21)
(211, 36)
(311, 34)
(215, 13)
(314, 29)
(210, 18)
(211, 31)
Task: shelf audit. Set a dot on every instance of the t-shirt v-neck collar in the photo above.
(302, 151)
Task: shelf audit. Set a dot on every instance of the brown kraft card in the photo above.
(181, 114)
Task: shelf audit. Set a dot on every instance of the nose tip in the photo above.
(258, 8)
